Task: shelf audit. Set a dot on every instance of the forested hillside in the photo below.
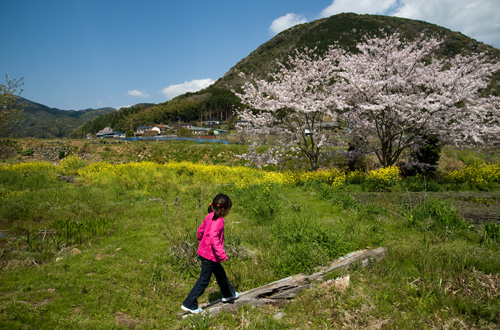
(40, 121)
(190, 107)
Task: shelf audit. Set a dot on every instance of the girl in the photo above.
(211, 253)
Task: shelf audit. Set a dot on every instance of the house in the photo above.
(161, 129)
(107, 133)
(187, 125)
(218, 131)
(213, 121)
(140, 130)
(111, 135)
(200, 130)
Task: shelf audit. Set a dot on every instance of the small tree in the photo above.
(130, 133)
(424, 158)
(9, 107)
(184, 132)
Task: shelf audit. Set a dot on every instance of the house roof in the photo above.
(200, 129)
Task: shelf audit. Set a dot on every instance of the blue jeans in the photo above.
(207, 268)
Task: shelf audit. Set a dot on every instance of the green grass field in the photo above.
(116, 248)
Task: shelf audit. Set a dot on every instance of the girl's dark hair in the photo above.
(220, 202)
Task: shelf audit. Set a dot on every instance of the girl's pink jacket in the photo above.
(211, 238)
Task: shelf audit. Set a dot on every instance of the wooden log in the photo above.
(285, 289)
(365, 257)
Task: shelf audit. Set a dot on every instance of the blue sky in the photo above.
(79, 54)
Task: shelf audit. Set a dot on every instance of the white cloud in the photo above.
(479, 19)
(359, 7)
(137, 93)
(124, 106)
(188, 86)
(284, 22)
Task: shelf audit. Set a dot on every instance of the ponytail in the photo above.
(220, 202)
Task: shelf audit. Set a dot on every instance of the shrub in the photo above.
(184, 132)
(27, 152)
(70, 165)
(356, 177)
(356, 157)
(383, 178)
(476, 173)
(424, 158)
(130, 133)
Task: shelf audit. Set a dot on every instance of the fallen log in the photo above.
(285, 289)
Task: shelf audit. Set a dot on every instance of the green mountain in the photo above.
(40, 121)
(347, 30)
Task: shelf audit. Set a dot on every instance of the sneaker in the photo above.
(236, 294)
(192, 311)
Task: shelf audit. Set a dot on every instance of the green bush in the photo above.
(27, 152)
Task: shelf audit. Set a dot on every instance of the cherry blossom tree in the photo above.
(289, 113)
(390, 92)
(399, 92)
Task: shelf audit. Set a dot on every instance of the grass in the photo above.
(117, 254)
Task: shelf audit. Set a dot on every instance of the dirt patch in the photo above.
(476, 207)
(125, 320)
(475, 284)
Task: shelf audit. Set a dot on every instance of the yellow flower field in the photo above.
(145, 173)
(482, 173)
